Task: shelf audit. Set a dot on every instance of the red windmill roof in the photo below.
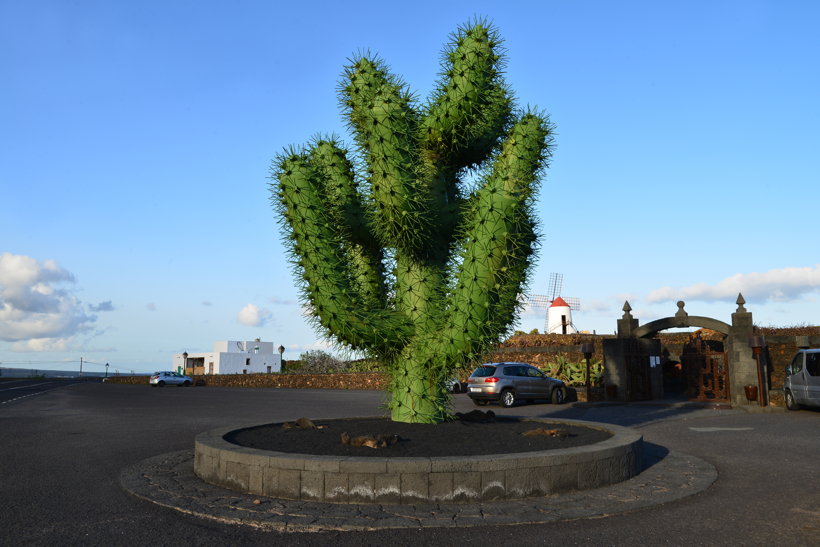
(559, 302)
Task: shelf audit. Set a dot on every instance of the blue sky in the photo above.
(136, 139)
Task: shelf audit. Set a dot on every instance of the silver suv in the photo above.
(802, 385)
(508, 383)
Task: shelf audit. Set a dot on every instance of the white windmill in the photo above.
(559, 308)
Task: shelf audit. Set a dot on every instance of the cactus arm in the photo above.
(318, 253)
(466, 117)
(385, 124)
(381, 113)
(363, 255)
(470, 109)
(499, 235)
(341, 194)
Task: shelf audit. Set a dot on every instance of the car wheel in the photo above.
(454, 389)
(558, 396)
(480, 402)
(507, 398)
(186, 383)
(161, 383)
(791, 404)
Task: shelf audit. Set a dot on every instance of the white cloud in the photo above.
(37, 306)
(45, 344)
(253, 316)
(102, 306)
(779, 285)
(596, 306)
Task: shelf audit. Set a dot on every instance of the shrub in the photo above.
(574, 374)
(320, 362)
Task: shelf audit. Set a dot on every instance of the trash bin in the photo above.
(751, 392)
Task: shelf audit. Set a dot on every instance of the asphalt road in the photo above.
(15, 390)
(62, 451)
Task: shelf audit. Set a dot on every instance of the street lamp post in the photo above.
(106, 370)
(757, 343)
(588, 348)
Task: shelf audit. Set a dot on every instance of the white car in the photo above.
(802, 385)
(170, 378)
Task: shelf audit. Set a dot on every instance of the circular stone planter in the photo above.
(461, 479)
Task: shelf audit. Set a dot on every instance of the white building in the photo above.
(559, 318)
(231, 357)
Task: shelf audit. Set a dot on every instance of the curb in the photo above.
(168, 480)
(655, 404)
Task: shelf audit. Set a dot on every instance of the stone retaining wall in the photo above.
(342, 380)
(419, 480)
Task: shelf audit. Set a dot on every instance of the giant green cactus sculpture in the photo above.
(416, 247)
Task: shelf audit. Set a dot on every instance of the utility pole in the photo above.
(81, 366)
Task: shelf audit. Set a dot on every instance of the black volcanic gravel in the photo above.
(454, 438)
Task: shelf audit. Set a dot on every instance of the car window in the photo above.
(797, 363)
(534, 372)
(483, 371)
(813, 364)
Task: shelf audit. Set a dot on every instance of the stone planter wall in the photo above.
(419, 480)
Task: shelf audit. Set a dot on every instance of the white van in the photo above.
(802, 385)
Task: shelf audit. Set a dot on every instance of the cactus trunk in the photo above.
(398, 259)
(417, 396)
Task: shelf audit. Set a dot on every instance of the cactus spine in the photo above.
(397, 258)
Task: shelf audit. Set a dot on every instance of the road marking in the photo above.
(711, 429)
(26, 386)
(24, 397)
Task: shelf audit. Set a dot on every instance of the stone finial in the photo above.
(627, 323)
(740, 302)
(681, 312)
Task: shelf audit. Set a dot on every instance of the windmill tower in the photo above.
(559, 309)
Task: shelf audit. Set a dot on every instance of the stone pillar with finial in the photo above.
(627, 324)
(742, 364)
(614, 350)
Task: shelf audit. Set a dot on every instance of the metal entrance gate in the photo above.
(707, 370)
(638, 380)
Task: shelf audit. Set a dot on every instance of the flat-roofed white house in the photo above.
(231, 357)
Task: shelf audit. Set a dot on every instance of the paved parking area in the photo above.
(62, 454)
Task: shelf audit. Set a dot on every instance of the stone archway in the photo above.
(681, 320)
(635, 349)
